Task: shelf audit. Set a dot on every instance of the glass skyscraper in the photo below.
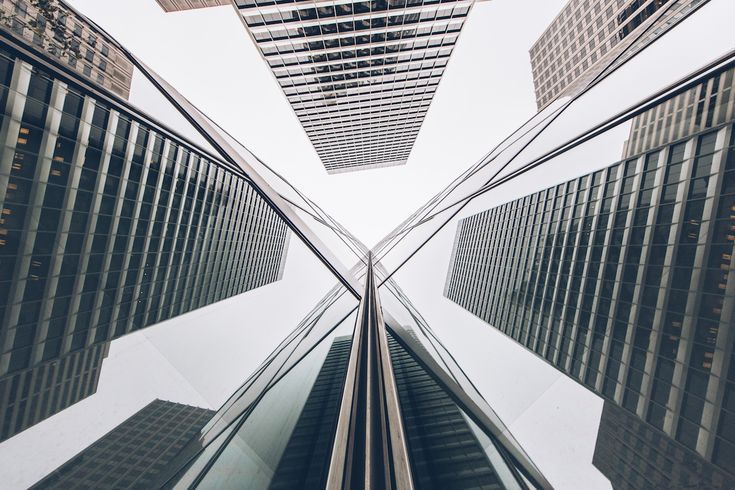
(147, 255)
(109, 224)
(621, 277)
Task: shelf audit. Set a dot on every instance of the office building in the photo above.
(445, 450)
(179, 5)
(133, 453)
(32, 395)
(587, 36)
(371, 410)
(111, 223)
(623, 279)
(360, 76)
(305, 459)
(632, 454)
(703, 106)
(69, 38)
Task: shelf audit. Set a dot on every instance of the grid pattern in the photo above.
(623, 279)
(713, 103)
(178, 5)
(132, 454)
(359, 75)
(587, 34)
(110, 225)
(634, 455)
(70, 38)
(33, 395)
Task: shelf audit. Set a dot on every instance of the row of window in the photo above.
(526, 309)
(181, 224)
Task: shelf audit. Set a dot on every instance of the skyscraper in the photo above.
(110, 222)
(117, 215)
(359, 75)
(623, 279)
(178, 5)
(133, 453)
(369, 410)
(587, 36)
(35, 394)
(58, 30)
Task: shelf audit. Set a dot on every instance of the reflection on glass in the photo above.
(285, 441)
(134, 452)
(444, 450)
(115, 218)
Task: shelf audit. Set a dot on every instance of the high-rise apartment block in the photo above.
(588, 35)
(110, 223)
(57, 29)
(624, 278)
(359, 75)
(133, 453)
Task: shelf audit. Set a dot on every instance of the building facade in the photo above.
(624, 278)
(588, 35)
(32, 395)
(179, 5)
(360, 76)
(632, 454)
(57, 29)
(133, 453)
(365, 410)
(111, 223)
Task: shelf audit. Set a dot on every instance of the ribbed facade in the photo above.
(624, 279)
(56, 29)
(110, 224)
(632, 454)
(445, 452)
(305, 460)
(359, 75)
(33, 395)
(135, 452)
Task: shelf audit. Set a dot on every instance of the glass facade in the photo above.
(110, 226)
(147, 255)
(622, 278)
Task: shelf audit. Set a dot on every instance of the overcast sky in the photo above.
(486, 93)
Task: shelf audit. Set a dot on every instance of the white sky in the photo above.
(486, 93)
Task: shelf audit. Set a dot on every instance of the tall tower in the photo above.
(586, 37)
(360, 76)
(111, 222)
(133, 453)
(366, 410)
(623, 279)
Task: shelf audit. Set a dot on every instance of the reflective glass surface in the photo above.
(176, 314)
